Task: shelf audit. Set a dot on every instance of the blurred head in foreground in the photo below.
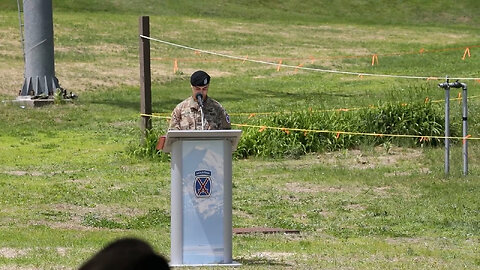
(126, 254)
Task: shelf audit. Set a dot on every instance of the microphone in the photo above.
(199, 98)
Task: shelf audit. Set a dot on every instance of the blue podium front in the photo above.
(201, 196)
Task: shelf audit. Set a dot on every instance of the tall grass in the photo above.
(292, 134)
(417, 119)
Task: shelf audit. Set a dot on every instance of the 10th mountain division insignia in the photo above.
(203, 184)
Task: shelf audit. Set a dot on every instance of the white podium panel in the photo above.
(203, 194)
(201, 200)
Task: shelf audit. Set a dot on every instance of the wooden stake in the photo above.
(145, 78)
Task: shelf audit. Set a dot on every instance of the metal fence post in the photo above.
(447, 129)
(447, 85)
(464, 129)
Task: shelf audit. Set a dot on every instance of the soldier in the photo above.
(187, 115)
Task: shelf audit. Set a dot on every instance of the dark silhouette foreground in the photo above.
(126, 254)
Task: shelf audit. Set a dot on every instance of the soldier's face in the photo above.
(199, 89)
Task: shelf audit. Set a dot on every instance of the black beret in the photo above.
(199, 78)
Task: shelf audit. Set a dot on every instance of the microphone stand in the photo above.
(199, 98)
(201, 113)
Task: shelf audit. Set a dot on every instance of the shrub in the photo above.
(149, 148)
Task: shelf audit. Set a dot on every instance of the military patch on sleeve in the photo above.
(227, 118)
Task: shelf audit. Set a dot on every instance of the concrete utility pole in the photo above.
(39, 77)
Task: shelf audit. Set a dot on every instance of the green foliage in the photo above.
(154, 218)
(418, 119)
(147, 148)
(93, 220)
(58, 97)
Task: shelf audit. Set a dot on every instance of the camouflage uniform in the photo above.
(187, 115)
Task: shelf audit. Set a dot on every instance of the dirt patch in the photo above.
(76, 76)
(81, 76)
(405, 240)
(62, 251)
(302, 218)
(11, 79)
(11, 253)
(99, 49)
(300, 187)
(103, 210)
(64, 225)
(76, 216)
(350, 33)
(124, 124)
(11, 66)
(408, 173)
(382, 190)
(241, 214)
(297, 187)
(284, 259)
(274, 256)
(377, 157)
(11, 39)
(37, 173)
(135, 168)
(355, 207)
(23, 173)
(348, 159)
(15, 267)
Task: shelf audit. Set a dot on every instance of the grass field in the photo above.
(69, 183)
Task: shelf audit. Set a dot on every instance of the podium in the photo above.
(201, 196)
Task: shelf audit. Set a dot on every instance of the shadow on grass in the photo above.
(243, 97)
(159, 104)
(262, 261)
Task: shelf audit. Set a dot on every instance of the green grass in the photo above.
(396, 12)
(70, 183)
